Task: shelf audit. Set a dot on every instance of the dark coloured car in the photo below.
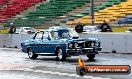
(60, 42)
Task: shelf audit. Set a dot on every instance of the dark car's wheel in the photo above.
(60, 56)
(91, 56)
(31, 54)
(80, 70)
(79, 29)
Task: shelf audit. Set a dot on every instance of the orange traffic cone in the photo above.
(81, 62)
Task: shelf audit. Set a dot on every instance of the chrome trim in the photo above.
(45, 53)
(87, 48)
(74, 49)
(81, 41)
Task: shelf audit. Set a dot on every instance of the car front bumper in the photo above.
(73, 51)
(83, 51)
(89, 50)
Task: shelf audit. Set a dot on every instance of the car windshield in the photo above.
(65, 33)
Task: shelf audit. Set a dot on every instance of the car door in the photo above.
(41, 43)
(54, 41)
(46, 44)
(35, 42)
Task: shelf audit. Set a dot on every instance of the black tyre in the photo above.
(79, 29)
(60, 56)
(31, 54)
(91, 56)
(80, 70)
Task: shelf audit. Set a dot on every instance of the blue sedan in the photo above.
(60, 42)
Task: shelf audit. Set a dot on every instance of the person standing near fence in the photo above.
(105, 27)
(12, 29)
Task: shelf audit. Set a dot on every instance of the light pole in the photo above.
(92, 11)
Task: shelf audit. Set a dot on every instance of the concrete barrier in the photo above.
(13, 40)
(113, 42)
(110, 42)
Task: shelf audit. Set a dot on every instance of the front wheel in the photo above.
(60, 56)
(91, 56)
(31, 54)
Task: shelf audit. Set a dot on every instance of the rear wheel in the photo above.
(31, 54)
(60, 56)
(91, 56)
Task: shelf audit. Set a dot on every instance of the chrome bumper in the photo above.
(73, 51)
(83, 50)
(91, 49)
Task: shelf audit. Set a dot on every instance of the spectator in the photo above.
(105, 27)
(12, 29)
(79, 28)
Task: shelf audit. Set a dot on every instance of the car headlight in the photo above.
(76, 45)
(70, 45)
(98, 44)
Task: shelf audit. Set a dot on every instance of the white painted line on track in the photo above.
(28, 69)
(64, 74)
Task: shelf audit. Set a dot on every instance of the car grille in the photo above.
(81, 44)
(90, 44)
(85, 44)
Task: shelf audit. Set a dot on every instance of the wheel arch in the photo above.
(56, 48)
(28, 48)
(61, 47)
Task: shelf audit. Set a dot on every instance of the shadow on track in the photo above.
(71, 60)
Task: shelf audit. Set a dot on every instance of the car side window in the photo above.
(39, 36)
(54, 35)
(45, 35)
